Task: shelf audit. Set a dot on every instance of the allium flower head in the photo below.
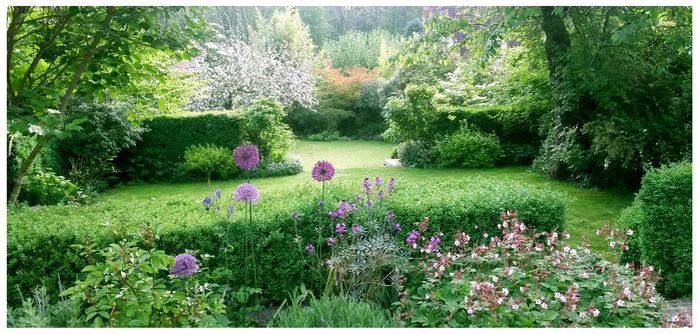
(246, 156)
(323, 171)
(246, 193)
(185, 265)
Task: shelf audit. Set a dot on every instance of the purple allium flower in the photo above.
(309, 248)
(340, 228)
(396, 227)
(412, 238)
(246, 156)
(185, 265)
(229, 209)
(378, 181)
(389, 215)
(380, 195)
(246, 193)
(323, 171)
(369, 203)
(390, 185)
(206, 201)
(217, 193)
(366, 185)
(358, 198)
(330, 241)
(356, 228)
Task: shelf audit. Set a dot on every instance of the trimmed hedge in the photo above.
(666, 232)
(161, 148)
(40, 252)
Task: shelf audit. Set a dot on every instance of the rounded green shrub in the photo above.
(209, 162)
(332, 311)
(414, 154)
(666, 233)
(468, 148)
(631, 219)
(47, 188)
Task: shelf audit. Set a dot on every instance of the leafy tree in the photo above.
(284, 32)
(56, 52)
(363, 49)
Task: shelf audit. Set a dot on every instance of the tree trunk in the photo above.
(557, 46)
(26, 163)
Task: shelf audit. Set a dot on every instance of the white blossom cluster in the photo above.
(235, 73)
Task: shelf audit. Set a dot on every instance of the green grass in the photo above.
(588, 209)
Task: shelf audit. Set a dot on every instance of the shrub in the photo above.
(38, 311)
(332, 311)
(208, 161)
(631, 219)
(522, 279)
(327, 136)
(665, 234)
(47, 188)
(19, 148)
(265, 127)
(289, 166)
(468, 148)
(414, 154)
(86, 155)
(129, 289)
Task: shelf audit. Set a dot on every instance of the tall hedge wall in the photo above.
(162, 146)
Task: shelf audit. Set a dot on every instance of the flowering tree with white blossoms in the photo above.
(236, 73)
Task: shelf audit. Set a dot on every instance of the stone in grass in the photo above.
(393, 163)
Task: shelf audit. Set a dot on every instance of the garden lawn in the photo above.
(587, 209)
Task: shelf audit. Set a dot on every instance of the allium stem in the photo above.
(323, 192)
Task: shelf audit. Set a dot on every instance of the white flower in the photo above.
(582, 314)
(587, 251)
(586, 275)
(499, 301)
(456, 242)
(538, 301)
(595, 312)
(620, 302)
(612, 244)
(494, 279)
(575, 285)
(53, 111)
(522, 289)
(573, 252)
(544, 306)
(486, 235)
(566, 249)
(652, 300)
(470, 310)
(505, 291)
(627, 292)
(630, 232)
(36, 129)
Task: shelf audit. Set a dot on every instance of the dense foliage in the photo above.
(334, 312)
(468, 148)
(666, 203)
(208, 162)
(361, 49)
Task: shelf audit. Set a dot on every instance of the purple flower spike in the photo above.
(358, 198)
(309, 248)
(389, 215)
(356, 228)
(378, 181)
(369, 203)
(366, 185)
(340, 228)
(380, 195)
(390, 185)
(246, 156)
(412, 238)
(185, 265)
(246, 193)
(323, 171)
